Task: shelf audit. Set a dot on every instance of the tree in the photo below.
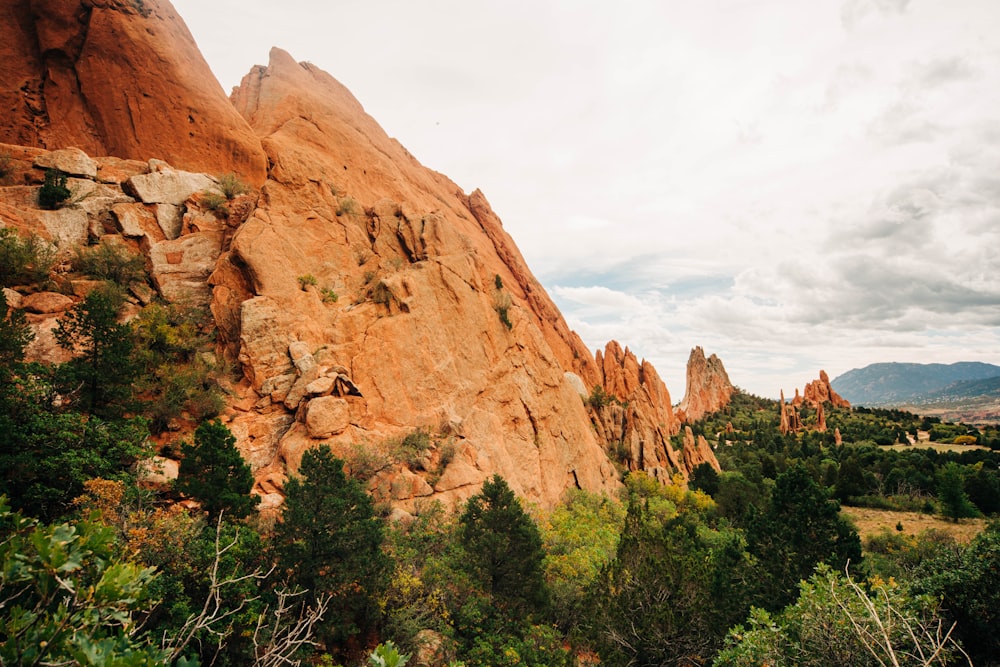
(837, 621)
(46, 455)
(705, 478)
(329, 542)
(504, 549)
(15, 334)
(800, 528)
(105, 370)
(671, 591)
(955, 503)
(68, 600)
(213, 472)
(967, 581)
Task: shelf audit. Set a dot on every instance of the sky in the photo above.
(791, 185)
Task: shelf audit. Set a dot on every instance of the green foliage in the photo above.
(110, 260)
(498, 281)
(955, 503)
(213, 472)
(24, 260)
(504, 549)
(232, 186)
(347, 206)
(580, 537)
(800, 528)
(105, 369)
(412, 447)
(46, 454)
(53, 192)
(329, 296)
(502, 303)
(67, 599)
(967, 581)
(380, 293)
(599, 398)
(174, 377)
(215, 202)
(329, 542)
(387, 655)
(704, 478)
(671, 591)
(308, 280)
(15, 334)
(837, 622)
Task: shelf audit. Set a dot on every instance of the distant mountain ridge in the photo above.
(898, 383)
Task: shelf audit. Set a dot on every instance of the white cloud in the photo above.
(792, 185)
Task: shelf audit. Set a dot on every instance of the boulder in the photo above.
(46, 302)
(327, 416)
(72, 161)
(167, 186)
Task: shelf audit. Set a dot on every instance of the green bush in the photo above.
(329, 296)
(307, 280)
(501, 304)
(109, 260)
(215, 202)
(24, 260)
(347, 206)
(413, 447)
(232, 186)
(54, 191)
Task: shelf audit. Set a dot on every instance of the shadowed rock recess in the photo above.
(364, 297)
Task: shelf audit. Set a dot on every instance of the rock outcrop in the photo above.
(708, 387)
(819, 391)
(118, 77)
(365, 297)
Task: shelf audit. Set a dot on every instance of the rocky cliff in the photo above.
(117, 77)
(708, 387)
(364, 298)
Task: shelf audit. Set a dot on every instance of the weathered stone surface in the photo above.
(72, 161)
(180, 268)
(67, 227)
(46, 302)
(14, 298)
(708, 387)
(819, 391)
(167, 186)
(157, 473)
(320, 387)
(697, 451)
(137, 221)
(327, 416)
(170, 218)
(118, 78)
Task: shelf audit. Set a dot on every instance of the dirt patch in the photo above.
(872, 521)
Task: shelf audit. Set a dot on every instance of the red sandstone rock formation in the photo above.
(708, 387)
(111, 79)
(819, 391)
(438, 323)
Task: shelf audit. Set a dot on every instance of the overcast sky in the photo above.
(793, 185)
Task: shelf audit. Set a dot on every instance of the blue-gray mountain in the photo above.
(888, 384)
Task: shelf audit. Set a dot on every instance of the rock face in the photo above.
(819, 391)
(365, 297)
(708, 387)
(118, 77)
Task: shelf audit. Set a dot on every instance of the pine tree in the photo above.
(955, 503)
(329, 541)
(106, 369)
(213, 472)
(504, 548)
(800, 528)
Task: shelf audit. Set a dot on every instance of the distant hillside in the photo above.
(896, 383)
